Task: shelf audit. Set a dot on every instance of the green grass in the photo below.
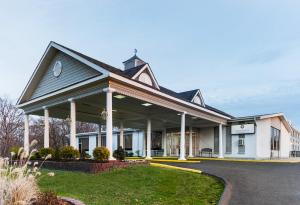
(135, 185)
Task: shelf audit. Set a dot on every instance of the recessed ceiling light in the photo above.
(179, 114)
(147, 104)
(119, 96)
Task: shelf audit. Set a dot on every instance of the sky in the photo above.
(243, 55)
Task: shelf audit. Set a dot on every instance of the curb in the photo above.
(170, 160)
(174, 167)
(227, 193)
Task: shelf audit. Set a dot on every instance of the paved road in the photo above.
(256, 183)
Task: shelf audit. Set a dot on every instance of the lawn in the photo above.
(135, 185)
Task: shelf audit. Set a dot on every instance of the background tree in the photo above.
(11, 126)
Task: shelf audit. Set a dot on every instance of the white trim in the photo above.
(151, 74)
(201, 97)
(62, 90)
(131, 82)
(66, 51)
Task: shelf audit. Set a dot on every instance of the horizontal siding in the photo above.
(73, 72)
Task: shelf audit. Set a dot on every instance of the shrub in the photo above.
(57, 154)
(101, 154)
(36, 155)
(44, 152)
(119, 153)
(69, 152)
(84, 155)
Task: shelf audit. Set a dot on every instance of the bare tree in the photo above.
(11, 126)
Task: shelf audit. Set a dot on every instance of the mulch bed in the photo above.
(90, 166)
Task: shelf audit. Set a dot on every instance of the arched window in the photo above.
(145, 78)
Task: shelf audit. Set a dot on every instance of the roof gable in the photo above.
(144, 74)
(72, 72)
(46, 59)
(193, 96)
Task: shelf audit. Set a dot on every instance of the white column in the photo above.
(191, 142)
(109, 123)
(99, 135)
(182, 138)
(122, 135)
(26, 133)
(148, 155)
(73, 124)
(221, 154)
(46, 127)
(164, 135)
(144, 144)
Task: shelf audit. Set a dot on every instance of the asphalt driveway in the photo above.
(256, 183)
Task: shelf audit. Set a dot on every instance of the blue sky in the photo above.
(243, 55)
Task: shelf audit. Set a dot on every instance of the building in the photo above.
(70, 85)
(295, 142)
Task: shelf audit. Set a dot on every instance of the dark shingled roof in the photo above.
(189, 95)
(132, 58)
(129, 73)
(132, 71)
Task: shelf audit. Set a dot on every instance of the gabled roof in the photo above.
(105, 69)
(189, 95)
(132, 71)
(133, 58)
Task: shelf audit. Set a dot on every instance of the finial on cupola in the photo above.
(134, 61)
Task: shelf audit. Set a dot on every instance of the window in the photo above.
(275, 139)
(241, 144)
(228, 140)
(128, 141)
(216, 140)
(83, 145)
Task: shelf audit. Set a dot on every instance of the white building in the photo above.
(70, 85)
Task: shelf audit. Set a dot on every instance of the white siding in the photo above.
(263, 149)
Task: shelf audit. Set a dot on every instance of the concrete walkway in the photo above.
(256, 183)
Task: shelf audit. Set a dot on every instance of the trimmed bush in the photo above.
(36, 155)
(101, 154)
(129, 154)
(84, 155)
(57, 155)
(44, 152)
(119, 154)
(69, 152)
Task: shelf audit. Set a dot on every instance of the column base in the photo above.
(182, 159)
(148, 158)
(190, 156)
(221, 157)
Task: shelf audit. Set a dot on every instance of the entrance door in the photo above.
(84, 145)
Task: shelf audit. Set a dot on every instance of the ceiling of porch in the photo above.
(130, 111)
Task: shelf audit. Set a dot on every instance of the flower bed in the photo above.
(90, 166)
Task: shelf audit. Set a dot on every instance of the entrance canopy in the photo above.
(68, 84)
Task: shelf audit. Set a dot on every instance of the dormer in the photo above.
(132, 62)
(193, 96)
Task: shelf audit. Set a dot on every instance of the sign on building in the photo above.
(243, 129)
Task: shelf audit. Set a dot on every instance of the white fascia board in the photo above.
(201, 97)
(151, 73)
(81, 59)
(34, 73)
(131, 82)
(66, 51)
(63, 90)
